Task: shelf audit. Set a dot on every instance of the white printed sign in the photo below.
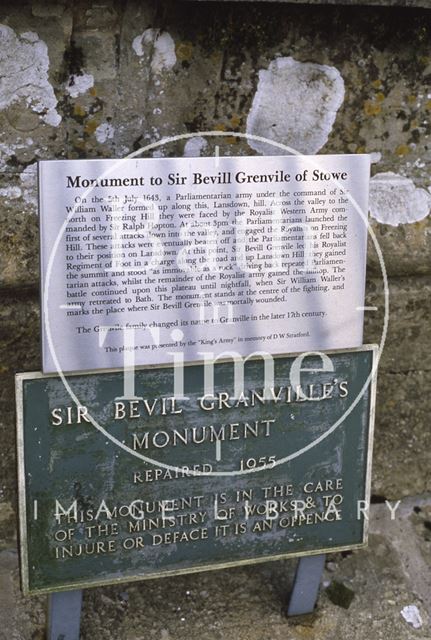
(146, 259)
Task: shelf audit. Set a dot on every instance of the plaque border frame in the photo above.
(20, 378)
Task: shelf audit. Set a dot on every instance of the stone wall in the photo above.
(100, 79)
(426, 4)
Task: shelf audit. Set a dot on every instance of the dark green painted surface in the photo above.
(77, 461)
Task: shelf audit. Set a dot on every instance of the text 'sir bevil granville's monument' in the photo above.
(215, 264)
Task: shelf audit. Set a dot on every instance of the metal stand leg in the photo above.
(64, 615)
(306, 585)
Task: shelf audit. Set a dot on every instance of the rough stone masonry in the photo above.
(100, 79)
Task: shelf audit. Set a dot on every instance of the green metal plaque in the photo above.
(116, 488)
